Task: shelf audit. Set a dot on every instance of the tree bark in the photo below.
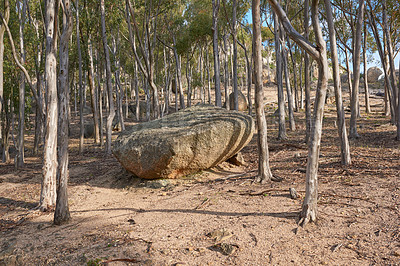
(279, 78)
(111, 113)
(367, 104)
(341, 122)
(93, 95)
(307, 82)
(287, 79)
(61, 214)
(309, 209)
(218, 101)
(81, 92)
(48, 191)
(234, 65)
(356, 69)
(264, 171)
(21, 118)
(2, 31)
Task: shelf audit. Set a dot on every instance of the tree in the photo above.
(264, 172)
(2, 30)
(21, 7)
(48, 192)
(61, 213)
(218, 101)
(318, 52)
(344, 142)
(356, 68)
(111, 113)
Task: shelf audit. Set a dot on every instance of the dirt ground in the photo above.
(218, 216)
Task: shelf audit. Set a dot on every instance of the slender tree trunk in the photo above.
(279, 77)
(344, 142)
(100, 99)
(21, 119)
(264, 171)
(2, 30)
(288, 89)
(234, 42)
(189, 82)
(226, 68)
(111, 113)
(307, 82)
(137, 99)
(48, 191)
(396, 92)
(207, 63)
(356, 68)
(61, 214)
(92, 87)
(218, 101)
(367, 104)
(318, 52)
(81, 90)
(5, 126)
(118, 90)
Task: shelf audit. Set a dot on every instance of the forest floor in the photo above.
(218, 216)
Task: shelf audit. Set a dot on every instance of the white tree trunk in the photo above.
(264, 171)
(61, 214)
(111, 113)
(48, 191)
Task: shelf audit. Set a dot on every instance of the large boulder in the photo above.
(242, 101)
(182, 143)
(373, 74)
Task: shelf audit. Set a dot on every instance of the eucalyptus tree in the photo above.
(264, 171)
(21, 7)
(382, 48)
(6, 10)
(356, 68)
(218, 102)
(146, 42)
(48, 191)
(111, 113)
(279, 80)
(344, 142)
(61, 214)
(318, 52)
(81, 89)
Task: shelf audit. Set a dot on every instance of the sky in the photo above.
(376, 61)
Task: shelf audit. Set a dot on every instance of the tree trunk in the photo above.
(93, 98)
(318, 52)
(111, 113)
(2, 30)
(81, 91)
(356, 69)
(218, 101)
(296, 91)
(344, 142)
(48, 191)
(100, 98)
(118, 88)
(235, 77)
(207, 63)
(264, 171)
(367, 104)
(279, 77)
(307, 82)
(226, 68)
(61, 214)
(396, 92)
(21, 119)
(288, 89)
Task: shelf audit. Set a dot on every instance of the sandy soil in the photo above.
(218, 216)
